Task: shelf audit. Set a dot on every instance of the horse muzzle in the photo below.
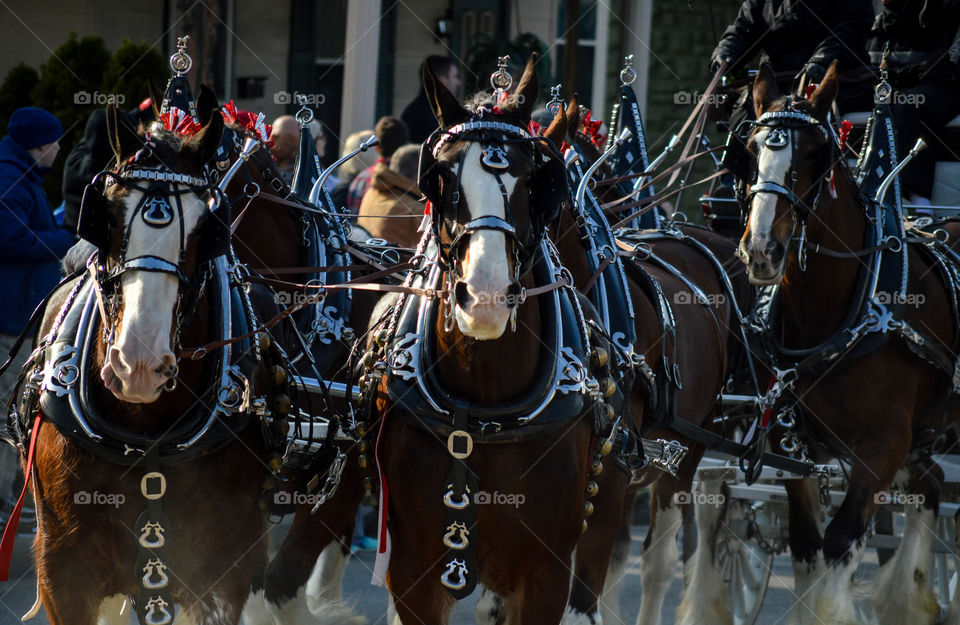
(764, 259)
(483, 313)
(138, 380)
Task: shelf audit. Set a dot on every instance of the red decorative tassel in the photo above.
(845, 127)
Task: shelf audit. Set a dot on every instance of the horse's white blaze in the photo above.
(704, 600)
(901, 594)
(772, 166)
(149, 300)
(658, 563)
(488, 273)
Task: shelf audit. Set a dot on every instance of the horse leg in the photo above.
(659, 553)
(596, 546)
(543, 596)
(112, 612)
(704, 600)
(255, 609)
(806, 543)
(298, 588)
(610, 600)
(843, 541)
(902, 594)
(489, 608)
(416, 595)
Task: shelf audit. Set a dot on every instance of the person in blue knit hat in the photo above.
(31, 244)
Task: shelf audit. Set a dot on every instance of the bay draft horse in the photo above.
(85, 552)
(299, 586)
(523, 552)
(867, 411)
(703, 343)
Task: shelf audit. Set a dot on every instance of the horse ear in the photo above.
(822, 99)
(444, 104)
(521, 104)
(764, 89)
(206, 105)
(155, 98)
(207, 140)
(573, 117)
(121, 135)
(558, 129)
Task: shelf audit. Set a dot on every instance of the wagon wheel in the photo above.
(945, 569)
(745, 565)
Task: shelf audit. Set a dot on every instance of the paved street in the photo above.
(17, 595)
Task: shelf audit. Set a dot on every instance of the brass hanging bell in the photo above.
(592, 489)
(588, 508)
(599, 357)
(596, 467)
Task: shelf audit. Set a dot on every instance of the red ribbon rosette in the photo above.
(179, 122)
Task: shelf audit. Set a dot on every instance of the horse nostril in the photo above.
(770, 248)
(461, 294)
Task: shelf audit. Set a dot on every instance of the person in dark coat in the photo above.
(31, 245)
(800, 39)
(90, 156)
(418, 116)
(922, 39)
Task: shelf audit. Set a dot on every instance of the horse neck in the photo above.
(816, 301)
(566, 236)
(268, 234)
(494, 370)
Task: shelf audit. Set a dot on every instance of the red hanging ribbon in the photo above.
(13, 523)
(845, 127)
(808, 91)
(592, 129)
(534, 128)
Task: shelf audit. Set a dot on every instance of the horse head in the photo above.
(153, 219)
(792, 152)
(493, 189)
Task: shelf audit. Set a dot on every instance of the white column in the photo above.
(602, 37)
(360, 65)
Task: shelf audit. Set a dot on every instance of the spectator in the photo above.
(393, 191)
(285, 136)
(391, 134)
(418, 116)
(320, 144)
(92, 155)
(800, 39)
(31, 244)
(349, 170)
(923, 37)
